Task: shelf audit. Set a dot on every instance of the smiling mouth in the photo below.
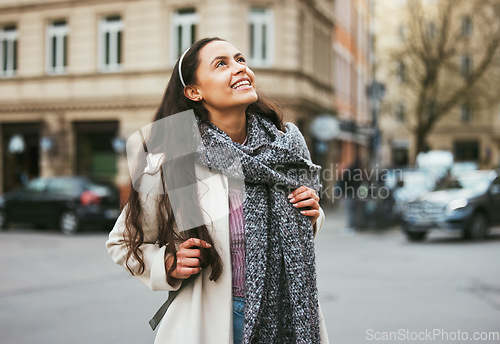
(241, 84)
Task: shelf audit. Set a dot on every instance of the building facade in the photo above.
(352, 75)
(80, 76)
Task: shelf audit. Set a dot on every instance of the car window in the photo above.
(100, 189)
(418, 181)
(495, 187)
(64, 187)
(35, 187)
(478, 183)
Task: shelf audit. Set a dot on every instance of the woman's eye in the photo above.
(220, 63)
(241, 59)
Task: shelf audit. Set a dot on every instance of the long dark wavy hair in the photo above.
(174, 101)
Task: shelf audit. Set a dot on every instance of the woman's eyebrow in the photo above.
(225, 57)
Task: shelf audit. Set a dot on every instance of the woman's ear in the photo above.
(192, 93)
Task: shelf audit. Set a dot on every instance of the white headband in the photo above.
(180, 66)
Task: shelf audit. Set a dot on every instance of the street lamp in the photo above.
(376, 92)
(118, 144)
(17, 144)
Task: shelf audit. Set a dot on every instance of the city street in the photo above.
(389, 109)
(66, 290)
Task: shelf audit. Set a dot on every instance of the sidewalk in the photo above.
(335, 218)
(335, 222)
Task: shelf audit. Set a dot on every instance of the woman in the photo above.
(249, 277)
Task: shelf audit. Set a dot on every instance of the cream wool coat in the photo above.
(202, 312)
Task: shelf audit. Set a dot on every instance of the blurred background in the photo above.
(381, 80)
(399, 102)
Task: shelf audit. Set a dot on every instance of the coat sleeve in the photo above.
(154, 275)
(319, 222)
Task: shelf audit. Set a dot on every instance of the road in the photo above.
(66, 290)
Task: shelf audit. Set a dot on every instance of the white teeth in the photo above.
(241, 83)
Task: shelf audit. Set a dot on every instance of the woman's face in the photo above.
(224, 80)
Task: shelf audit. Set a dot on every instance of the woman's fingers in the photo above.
(312, 212)
(186, 272)
(191, 242)
(303, 192)
(307, 203)
(186, 267)
(306, 197)
(188, 253)
(188, 262)
(297, 191)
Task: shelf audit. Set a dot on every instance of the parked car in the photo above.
(436, 162)
(463, 166)
(69, 202)
(409, 185)
(469, 204)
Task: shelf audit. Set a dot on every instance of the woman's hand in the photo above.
(188, 262)
(307, 198)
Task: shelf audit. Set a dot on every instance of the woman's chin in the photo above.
(234, 101)
(252, 97)
(247, 99)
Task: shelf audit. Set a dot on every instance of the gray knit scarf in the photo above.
(281, 295)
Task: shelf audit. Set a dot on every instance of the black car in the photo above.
(468, 204)
(69, 202)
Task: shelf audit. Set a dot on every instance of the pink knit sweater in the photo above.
(237, 238)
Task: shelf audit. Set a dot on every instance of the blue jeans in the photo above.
(238, 311)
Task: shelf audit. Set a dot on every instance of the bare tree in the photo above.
(450, 58)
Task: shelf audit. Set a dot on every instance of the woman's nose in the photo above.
(239, 68)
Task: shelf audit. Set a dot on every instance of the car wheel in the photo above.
(69, 223)
(478, 229)
(416, 236)
(3, 220)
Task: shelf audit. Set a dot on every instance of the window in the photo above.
(431, 30)
(35, 187)
(321, 65)
(466, 66)
(400, 153)
(465, 113)
(261, 37)
(342, 73)
(8, 50)
(183, 31)
(401, 113)
(361, 31)
(402, 32)
(94, 152)
(466, 150)
(401, 72)
(110, 44)
(57, 47)
(361, 86)
(343, 13)
(431, 108)
(63, 187)
(466, 26)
